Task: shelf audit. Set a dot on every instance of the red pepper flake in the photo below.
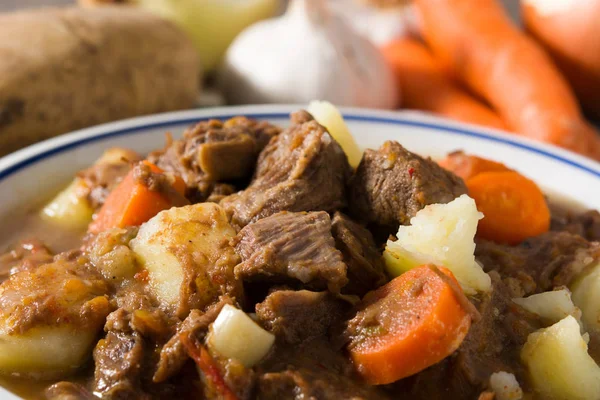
(411, 171)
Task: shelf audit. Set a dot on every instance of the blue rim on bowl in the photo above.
(38, 152)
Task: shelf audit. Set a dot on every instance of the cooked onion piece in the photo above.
(330, 117)
(551, 306)
(235, 335)
(184, 240)
(441, 234)
(559, 364)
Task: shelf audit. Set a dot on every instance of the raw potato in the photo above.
(69, 68)
(182, 241)
(441, 234)
(559, 364)
(551, 306)
(330, 117)
(235, 335)
(586, 295)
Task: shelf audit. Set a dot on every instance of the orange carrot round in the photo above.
(501, 64)
(513, 206)
(425, 85)
(407, 325)
(467, 165)
(131, 203)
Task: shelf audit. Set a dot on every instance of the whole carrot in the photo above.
(500, 63)
(425, 85)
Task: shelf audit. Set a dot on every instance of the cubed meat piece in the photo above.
(392, 184)
(291, 246)
(295, 316)
(302, 169)
(540, 263)
(586, 224)
(214, 151)
(118, 360)
(360, 253)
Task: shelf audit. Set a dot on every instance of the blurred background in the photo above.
(528, 67)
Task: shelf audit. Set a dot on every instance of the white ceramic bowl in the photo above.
(38, 170)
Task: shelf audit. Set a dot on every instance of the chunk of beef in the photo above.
(542, 262)
(295, 316)
(291, 246)
(312, 370)
(360, 253)
(119, 359)
(173, 355)
(392, 184)
(586, 224)
(302, 169)
(102, 177)
(493, 344)
(27, 255)
(214, 151)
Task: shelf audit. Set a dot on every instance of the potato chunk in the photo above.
(69, 208)
(49, 318)
(441, 234)
(559, 364)
(188, 257)
(586, 295)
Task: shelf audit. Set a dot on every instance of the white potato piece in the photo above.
(551, 306)
(586, 296)
(559, 364)
(330, 117)
(50, 317)
(69, 208)
(505, 386)
(441, 234)
(235, 335)
(182, 242)
(45, 352)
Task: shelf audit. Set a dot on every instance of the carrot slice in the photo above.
(513, 206)
(467, 166)
(407, 325)
(132, 203)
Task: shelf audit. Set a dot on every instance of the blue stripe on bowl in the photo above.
(281, 115)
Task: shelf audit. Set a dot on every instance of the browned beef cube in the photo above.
(215, 151)
(540, 263)
(295, 316)
(360, 253)
(291, 246)
(392, 184)
(302, 169)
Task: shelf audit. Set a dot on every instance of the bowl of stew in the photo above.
(265, 253)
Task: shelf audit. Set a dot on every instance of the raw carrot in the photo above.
(207, 365)
(407, 325)
(425, 85)
(508, 69)
(513, 206)
(132, 203)
(467, 166)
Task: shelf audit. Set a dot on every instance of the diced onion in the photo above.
(235, 335)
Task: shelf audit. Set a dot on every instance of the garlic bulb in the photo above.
(308, 53)
(380, 25)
